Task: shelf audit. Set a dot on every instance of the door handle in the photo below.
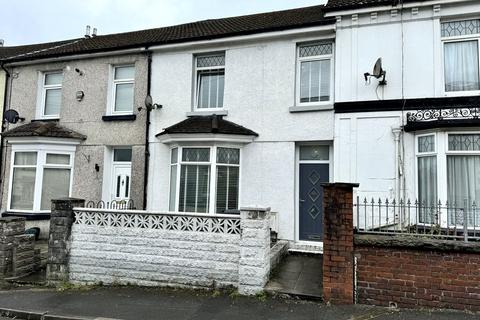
(301, 200)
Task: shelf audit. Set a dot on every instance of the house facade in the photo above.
(257, 110)
(80, 133)
(416, 135)
(246, 120)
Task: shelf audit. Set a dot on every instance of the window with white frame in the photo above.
(37, 177)
(204, 179)
(51, 95)
(210, 81)
(449, 170)
(314, 75)
(461, 55)
(123, 85)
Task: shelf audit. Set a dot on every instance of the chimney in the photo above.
(87, 32)
(94, 33)
(2, 42)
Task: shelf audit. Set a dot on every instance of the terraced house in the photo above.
(253, 110)
(77, 130)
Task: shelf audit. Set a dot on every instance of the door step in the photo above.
(305, 248)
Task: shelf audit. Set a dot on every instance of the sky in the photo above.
(36, 21)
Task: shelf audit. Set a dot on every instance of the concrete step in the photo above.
(306, 248)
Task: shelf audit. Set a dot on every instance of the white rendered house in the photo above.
(418, 135)
(246, 121)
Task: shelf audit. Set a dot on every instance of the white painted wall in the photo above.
(153, 257)
(259, 90)
(409, 44)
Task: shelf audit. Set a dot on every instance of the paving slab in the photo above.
(298, 275)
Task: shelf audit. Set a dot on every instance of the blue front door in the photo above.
(311, 201)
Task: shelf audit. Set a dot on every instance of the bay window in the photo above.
(204, 179)
(448, 168)
(37, 177)
(314, 78)
(210, 81)
(461, 55)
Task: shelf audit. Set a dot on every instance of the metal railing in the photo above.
(113, 205)
(437, 220)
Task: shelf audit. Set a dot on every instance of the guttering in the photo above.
(147, 131)
(245, 38)
(349, 11)
(205, 138)
(77, 57)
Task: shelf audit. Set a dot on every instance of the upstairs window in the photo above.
(461, 55)
(314, 75)
(51, 94)
(123, 83)
(210, 81)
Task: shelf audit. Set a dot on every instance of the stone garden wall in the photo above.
(159, 249)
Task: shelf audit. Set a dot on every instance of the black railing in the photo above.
(443, 114)
(111, 205)
(447, 220)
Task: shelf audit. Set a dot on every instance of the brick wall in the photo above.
(338, 257)
(408, 276)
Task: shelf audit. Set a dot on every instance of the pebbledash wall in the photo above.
(159, 249)
(394, 270)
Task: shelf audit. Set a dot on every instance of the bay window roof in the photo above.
(207, 125)
(43, 129)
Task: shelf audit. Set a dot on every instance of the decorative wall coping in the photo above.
(159, 213)
(416, 243)
(169, 221)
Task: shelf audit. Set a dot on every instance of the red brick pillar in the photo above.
(338, 256)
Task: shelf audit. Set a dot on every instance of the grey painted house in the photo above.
(81, 133)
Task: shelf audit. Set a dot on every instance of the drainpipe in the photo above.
(5, 101)
(147, 131)
(398, 168)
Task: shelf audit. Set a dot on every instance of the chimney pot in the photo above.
(87, 32)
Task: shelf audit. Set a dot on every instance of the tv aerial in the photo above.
(377, 73)
(11, 116)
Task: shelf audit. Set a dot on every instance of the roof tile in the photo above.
(43, 129)
(195, 31)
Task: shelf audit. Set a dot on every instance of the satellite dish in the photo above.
(149, 102)
(150, 105)
(11, 116)
(377, 69)
(378, 73)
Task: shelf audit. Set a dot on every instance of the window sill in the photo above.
(325, 107)
(123, 117)
(219, 112)
(28, 215)
(46, 120)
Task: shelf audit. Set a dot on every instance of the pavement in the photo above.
(145, 303)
